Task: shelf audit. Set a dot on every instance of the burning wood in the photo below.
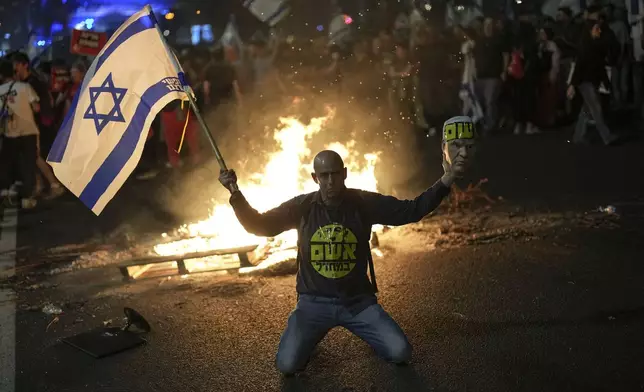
(190, 262)
(473, 193)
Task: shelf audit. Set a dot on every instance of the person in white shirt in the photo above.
(18, 102)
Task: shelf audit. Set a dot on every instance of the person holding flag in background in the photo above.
(104, 132)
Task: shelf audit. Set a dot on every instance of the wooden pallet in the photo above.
(242, 252)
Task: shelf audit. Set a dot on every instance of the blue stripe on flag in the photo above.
(62, 139)
(284, 7)
(143, 23)
(124, 149)
(340, 33)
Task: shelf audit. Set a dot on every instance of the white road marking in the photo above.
(8, 229)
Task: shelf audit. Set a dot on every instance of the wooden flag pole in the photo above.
(191, 99)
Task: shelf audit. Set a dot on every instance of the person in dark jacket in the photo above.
(334, 229)
(596, 49)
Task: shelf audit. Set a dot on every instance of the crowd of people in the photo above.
(526, 75)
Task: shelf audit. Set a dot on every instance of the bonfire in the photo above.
(282, 178)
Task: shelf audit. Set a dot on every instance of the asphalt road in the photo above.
(561, 312)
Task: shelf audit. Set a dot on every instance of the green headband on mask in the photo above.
(460, 127)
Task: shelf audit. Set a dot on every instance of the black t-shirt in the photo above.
(488, 54)
(592, 57)
(333, 243)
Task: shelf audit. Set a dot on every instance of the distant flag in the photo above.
(32, 48)
(340, 31)
(270, 12)
(103, 134)
(232, 42)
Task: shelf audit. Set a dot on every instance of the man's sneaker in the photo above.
(28, 203)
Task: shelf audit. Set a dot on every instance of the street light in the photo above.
(198, 12)
(169, 15)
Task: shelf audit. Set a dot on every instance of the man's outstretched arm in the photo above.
(268, 224)
(388, 210)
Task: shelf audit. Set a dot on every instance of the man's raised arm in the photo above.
(388, 210)
(458, 148)
(267, 224)
(270, 223)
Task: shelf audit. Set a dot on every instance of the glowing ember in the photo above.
(285, 176)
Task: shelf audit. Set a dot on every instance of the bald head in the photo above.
(327, 161)
(329, 174)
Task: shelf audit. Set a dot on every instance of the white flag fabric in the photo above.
(103, 134)
(270, 12)
(340, 30)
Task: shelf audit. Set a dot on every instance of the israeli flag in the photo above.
(232, 42)
(103, 134)
(340, 30)
(270, 12)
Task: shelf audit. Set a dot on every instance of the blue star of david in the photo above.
(115, 114)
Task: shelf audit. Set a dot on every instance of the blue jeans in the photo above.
(314, 317)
